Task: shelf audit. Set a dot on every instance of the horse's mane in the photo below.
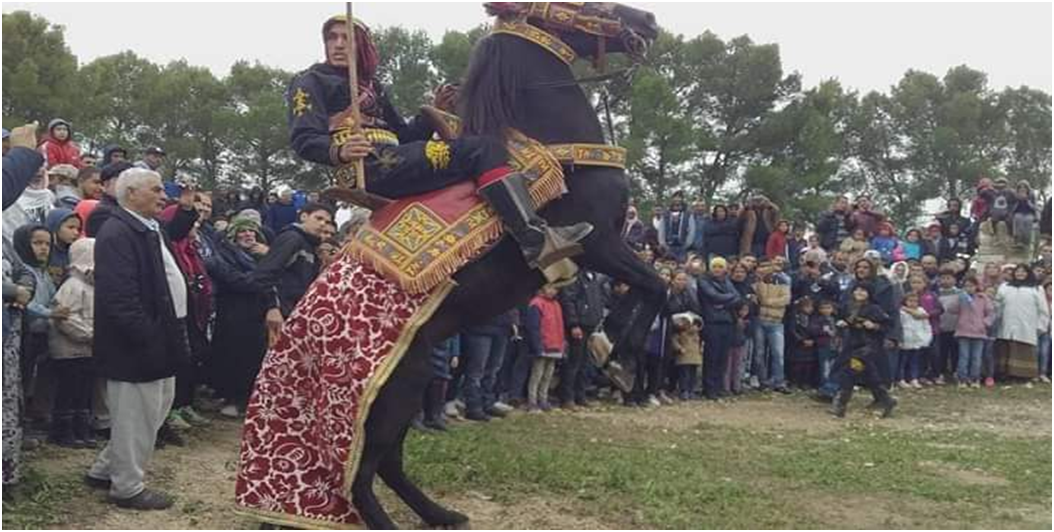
(489, 94)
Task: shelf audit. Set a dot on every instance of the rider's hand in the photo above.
(446, 98)
(357, 147)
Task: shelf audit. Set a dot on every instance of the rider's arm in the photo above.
(308, 120)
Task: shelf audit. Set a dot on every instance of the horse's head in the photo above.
(591, 28)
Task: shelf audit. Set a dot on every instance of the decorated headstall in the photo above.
(600, 19)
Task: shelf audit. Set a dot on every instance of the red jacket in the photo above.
(552, 323)
(776, 245)
(58, 152)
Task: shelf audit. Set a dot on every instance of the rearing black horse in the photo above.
(515, 83)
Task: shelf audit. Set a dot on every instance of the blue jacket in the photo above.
(280, 216)
(20, 165)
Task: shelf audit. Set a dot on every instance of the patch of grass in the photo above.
(35, 502)
(716, 476)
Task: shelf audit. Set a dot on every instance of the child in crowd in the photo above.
(976, 314)
(70, 342)
(914, 369)
(862, 343)
(737, 354)
(33, 245)
(802, 363)
(855, 246)
(65, 227)
(822, 331)
(918, 336)
(687, 350)
(912, 246)
(546, 343)
(954, 244)
(885, 242)
(947, 348)
(988, 356)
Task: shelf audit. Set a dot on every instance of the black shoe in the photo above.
(887, 407)
(477, 416)
(168, 436)
(96, 483)
(541, 244)
(146, 500)
(821, 397)
(494, 412)
(418, 425)
(840, 404)
(82, 431)
(436, 424)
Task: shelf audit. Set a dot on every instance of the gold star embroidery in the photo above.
(301, 102)
(856, 365)
(388, 160)
(438, 154)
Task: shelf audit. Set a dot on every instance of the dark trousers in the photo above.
(189, 373)
(718, 342)
(409, 170)
(648, 377)
(803, 373)
(74, 385)
(865, 370)
(518, 360)
(947, 355)
(34, 353)
(572, 387)
(686, 375)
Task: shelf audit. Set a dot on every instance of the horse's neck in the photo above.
(564, 115)
(557, 115)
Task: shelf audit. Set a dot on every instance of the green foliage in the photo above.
(716, 118)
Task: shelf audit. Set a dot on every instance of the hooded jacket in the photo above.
(107, 154)
(72, 337)
(60, 151)
(38, 311)
(59, 259)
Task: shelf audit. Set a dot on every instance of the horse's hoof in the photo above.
(450, 520)
(463, 526)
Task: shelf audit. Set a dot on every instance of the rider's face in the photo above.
(337, 45)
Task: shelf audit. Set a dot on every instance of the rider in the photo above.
(401, 159)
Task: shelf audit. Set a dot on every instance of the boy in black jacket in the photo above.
(863, 335)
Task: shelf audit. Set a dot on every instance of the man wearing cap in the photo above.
(63, 178)
(399, 156)
(108, 203)
(717, 298)
(152, 159)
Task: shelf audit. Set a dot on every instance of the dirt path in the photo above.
(202, 474)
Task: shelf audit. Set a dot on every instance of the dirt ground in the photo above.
(202, 474)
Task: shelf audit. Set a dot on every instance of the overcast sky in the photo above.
(865, 46)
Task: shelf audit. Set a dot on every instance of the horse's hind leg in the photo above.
(434, 515)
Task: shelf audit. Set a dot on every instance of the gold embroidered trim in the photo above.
(540, 37)
(589, 155)
(438, 154)
(375, 136)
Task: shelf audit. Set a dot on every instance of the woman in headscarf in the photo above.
(1023, 310)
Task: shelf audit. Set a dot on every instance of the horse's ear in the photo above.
(502, 10)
